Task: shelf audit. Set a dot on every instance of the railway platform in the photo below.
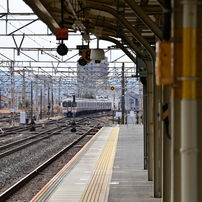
(108, 169)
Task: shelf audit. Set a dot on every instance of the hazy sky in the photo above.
(7, 43)
(38, 27)
(18, 6)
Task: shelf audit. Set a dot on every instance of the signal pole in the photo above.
(48, 102)
(123, 96)
(41, 104)
(31, 100)
(24, 92)
(12, 107)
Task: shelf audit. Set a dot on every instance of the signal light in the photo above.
(82, 61)
(112, 88)
(62, 49)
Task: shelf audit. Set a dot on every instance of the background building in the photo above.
(91, 76)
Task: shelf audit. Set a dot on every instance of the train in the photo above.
(72, 107)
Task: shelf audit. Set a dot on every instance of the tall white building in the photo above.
(92, 76)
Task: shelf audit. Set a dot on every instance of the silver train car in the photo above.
(72, 108)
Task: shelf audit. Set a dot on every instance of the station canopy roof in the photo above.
(132, 22)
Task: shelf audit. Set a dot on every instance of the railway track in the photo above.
(18, 145)
(29, 151)
(7, 117)
(24, 128)
(4, 131)
(15, 146)
(18, 185)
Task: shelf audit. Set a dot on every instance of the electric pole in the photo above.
(31, 100)
(123, 96)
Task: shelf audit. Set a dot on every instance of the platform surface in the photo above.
(109, 169)
(129, 179)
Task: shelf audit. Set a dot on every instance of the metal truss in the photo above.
(21, 64)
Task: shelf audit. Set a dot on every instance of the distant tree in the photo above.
(26, 105)
(88, 95)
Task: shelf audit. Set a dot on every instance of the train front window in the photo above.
(64, 104)
(69, 104)
(73, 104)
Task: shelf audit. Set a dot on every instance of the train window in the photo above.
(64, 104)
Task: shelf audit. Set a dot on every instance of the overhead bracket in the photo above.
(62, 34)
(18, 48)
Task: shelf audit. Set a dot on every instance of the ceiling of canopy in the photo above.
(127, 23)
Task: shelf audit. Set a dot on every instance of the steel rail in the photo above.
(39, 169)
(11, 151)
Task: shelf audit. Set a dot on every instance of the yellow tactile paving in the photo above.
(71, 182)
(97, 189)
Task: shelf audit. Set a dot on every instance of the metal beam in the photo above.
(144, 18)
(23, 26)
(126, 24)
(121, 47)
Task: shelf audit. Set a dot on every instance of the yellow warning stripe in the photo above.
(45, 188)
(97, 189)
(165, 114)
(189, 63)
(165, 111)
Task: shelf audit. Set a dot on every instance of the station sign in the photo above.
(118, 114)
(86, 55)
(62, 34)
(132, 114)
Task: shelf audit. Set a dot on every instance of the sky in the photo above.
(7, 43)
(38, 27)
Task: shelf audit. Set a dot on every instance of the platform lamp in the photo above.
(97, 54)
(62, 34)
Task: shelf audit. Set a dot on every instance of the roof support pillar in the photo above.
(189, 148)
